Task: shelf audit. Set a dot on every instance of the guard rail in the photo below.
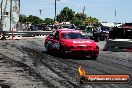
(23, 34)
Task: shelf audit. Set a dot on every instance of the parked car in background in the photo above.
(49, 28)
(96, 34)
(67, 26)
(81, 27)
(41, 27)
(71, 42)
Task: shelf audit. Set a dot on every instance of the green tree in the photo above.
(76, 21)
(49, 21)
(91, 21)
(30, 18)
(81, 16)
(66, 14)
(22, 19)
(34, 19)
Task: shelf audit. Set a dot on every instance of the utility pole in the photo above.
(10, 14)
(3, 32)
(1, 9)
(19, 6)
(115, 18)
(83, 14)
(115, 13)
(55, 10)
(1, 23)
(40, 11)
(1, 28)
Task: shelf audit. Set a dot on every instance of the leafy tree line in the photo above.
(66, 14)
(34, 19)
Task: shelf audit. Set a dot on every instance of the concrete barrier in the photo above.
(118, 45)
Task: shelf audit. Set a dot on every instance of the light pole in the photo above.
(10, 15)
(3, 33)
(1, 23)
(19, 6)
(1, 16)
(83, 14)
(55, 10)
(40, 11)
(115, 18)
(1, 9)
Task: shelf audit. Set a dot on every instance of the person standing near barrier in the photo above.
(3, 35)
(56, 25)
(28, 26)
(23, 27)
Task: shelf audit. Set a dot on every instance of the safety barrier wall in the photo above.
(24, 34)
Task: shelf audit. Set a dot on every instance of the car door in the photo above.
(48, 41)
(55, 42)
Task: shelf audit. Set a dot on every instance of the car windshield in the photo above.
(73, 36)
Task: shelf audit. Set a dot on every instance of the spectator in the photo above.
(28, 26)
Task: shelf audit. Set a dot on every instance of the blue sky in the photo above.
(104, 10)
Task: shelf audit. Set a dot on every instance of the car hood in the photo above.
(77, 42)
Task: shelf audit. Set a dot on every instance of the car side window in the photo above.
(56, 36)
(51, 36)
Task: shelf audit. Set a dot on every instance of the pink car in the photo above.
(71, 42)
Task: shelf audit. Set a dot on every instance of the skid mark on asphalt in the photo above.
(17, 75)
(121, 58)
(34, 60)
(43, 60)
(63, 67)
(75, 65)
(112, 63)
